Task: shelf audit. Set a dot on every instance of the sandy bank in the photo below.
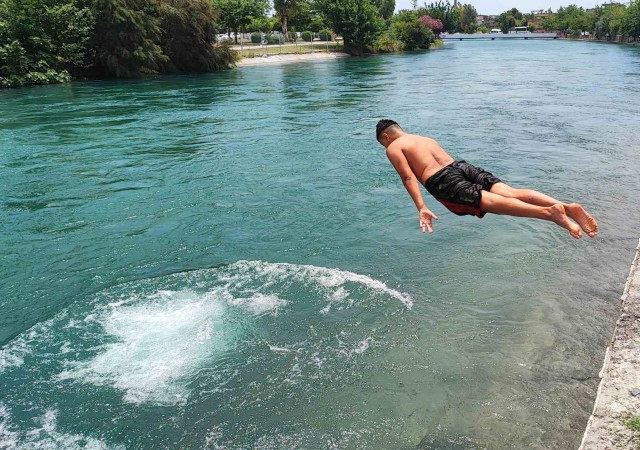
(618, 397)
(281, 59)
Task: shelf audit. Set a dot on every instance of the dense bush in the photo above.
(411, 31)
(49, 41)
(307, 36)
(388, 43)
(274, 39)
(256, 38)
(325, 35)
(42, 41)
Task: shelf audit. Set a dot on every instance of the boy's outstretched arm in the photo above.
(397, 158)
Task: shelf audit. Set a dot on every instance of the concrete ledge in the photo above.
(618, 397)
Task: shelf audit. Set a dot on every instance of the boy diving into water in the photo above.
(467, 190)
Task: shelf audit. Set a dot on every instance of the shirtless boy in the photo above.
(467, 190)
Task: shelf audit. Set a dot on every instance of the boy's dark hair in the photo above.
(383, 125)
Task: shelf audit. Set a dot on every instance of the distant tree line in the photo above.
(52, 41)
(606, 21)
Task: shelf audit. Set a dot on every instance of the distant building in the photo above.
(538, 18)
(487, 21)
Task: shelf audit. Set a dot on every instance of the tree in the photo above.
(631, 20)
(411, 31)
(285, 9)
(444, 12)
(506, 21)
(189, 37)
(42, 40)
(607, 20)
(237, 14)
(435, 24)
(263, 25)
(357, 21)
(572, 20)
(468, 15)
(307, 17)
(126, 38)
(385, 8)
(509, 19)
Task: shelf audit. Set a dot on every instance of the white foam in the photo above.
(260, 304)
(158, 344)
(359, 349)
(8, 438)
(13, 354)
(156, 339)
(9, 358)
(325, 277)
(47, 437)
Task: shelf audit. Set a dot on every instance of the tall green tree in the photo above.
(235, 15)
(444, 12)
(357, 21)
(468, 17)
(509, 19)
(606, 20)
(127, 38)
(285, 9)
(411, 31)
(189, 37)
(386, 8)
(307, 17)
(572, 20)
(631, 20)
(42, 40)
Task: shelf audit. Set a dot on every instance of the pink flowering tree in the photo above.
(434, 24)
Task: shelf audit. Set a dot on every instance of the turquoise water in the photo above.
(229, 261)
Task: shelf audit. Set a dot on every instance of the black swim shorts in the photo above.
(459, 187)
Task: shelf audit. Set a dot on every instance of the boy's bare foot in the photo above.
(584, 219)
(559, 216)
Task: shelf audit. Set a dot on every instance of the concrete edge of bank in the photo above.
(289, 58)
(618, 398)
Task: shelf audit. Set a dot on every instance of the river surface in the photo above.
(229, 260)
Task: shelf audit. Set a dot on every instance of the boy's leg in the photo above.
(526, 195)
(497, 204)
(573, 210)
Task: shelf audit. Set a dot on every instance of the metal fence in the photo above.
(275, 45)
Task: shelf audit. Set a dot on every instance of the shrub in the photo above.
(274, 39)
(307, 36)
(325, 35)
(256, 38)
(411, 31)
(387, 43)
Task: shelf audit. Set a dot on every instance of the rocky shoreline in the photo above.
(615, 421)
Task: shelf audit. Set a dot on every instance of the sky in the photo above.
(498, 6)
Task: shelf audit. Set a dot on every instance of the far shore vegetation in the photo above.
(55, 41)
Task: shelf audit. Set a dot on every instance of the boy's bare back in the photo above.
(424, 155)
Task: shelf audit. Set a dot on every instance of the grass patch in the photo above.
(634, 423)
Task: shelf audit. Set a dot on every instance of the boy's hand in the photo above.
(425, 217)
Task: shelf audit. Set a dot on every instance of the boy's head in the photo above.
(387, 131)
